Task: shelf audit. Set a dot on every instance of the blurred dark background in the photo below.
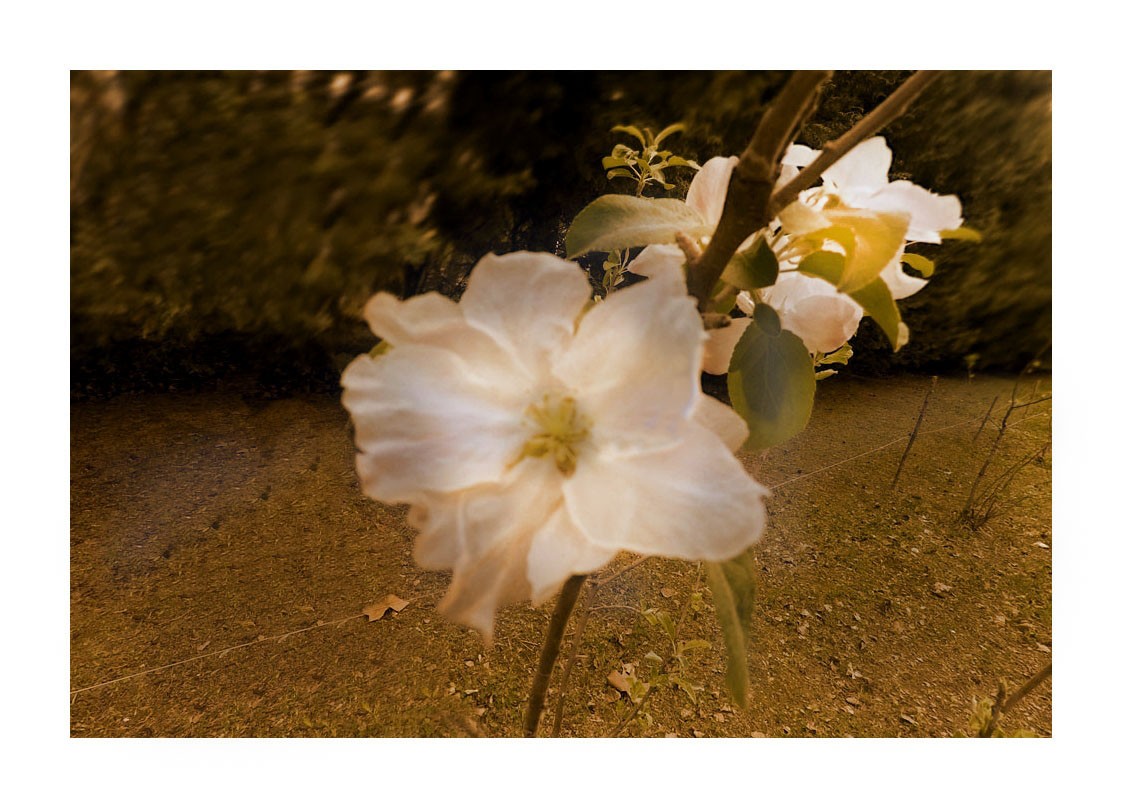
(227, 227)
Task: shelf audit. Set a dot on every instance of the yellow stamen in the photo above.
(559, 431)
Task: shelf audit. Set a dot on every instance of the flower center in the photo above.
(560, 429)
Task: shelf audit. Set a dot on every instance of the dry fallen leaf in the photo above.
(619, 682)
(379, 609)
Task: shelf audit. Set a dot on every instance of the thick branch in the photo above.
(889, 110)
(753, 179)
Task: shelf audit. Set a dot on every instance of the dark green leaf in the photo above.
(617, 221)
(924, 266)
(734, 594)
(771, 381)
(875, 298)
(755, 268)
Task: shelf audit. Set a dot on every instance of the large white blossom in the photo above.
(535, 437)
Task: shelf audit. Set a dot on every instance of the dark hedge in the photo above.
(231, 225)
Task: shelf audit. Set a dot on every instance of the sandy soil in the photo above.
(222, 556)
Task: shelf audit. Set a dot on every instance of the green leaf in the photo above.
(682, 161)
(733, 584)
(619, 172)
(771, 381)
(379, 349)
(924, 266)
(875, 298)
(755, 268)
(613, 162)
(618, 221)
(870, 240)
(960, 234)
(631, 130)
(824, 374)
(667, 132)
(839, 357)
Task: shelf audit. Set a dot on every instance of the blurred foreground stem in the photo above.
(561, 613)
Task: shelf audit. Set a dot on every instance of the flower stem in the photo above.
(561, 612)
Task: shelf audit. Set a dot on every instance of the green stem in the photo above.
(561, 612)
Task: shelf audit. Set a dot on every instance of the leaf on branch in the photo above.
(733, 584)
(618, 221)
(771, 381)
(961, 234)
(839, 357)
(667, 132)
(634, 131)
(754, 268)
(924, 266)
(871, 240)
(875, 298)
(378, 610)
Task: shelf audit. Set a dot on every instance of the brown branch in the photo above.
(565, 603)
(753, 179)
(889, 110)
(570, 661)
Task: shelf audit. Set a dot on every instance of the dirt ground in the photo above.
(222, 556)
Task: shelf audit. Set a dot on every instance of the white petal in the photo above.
(528, 303)
(663, 261)
(862, 171)
(720, 345)
(423, 423)
(823, 322)
(899, 282)
(799, 218)
(434, 320)
(691, 500)
(930, 212)
(812, 309)
(634, 364)
(559, 550)
(708, 189)
(494, 527)
(796, 157)
(722, 420)
(799, 155)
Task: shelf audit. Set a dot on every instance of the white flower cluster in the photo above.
(854, 194)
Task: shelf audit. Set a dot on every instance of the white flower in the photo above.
(811, 308)
(534, 439)
(859, 181)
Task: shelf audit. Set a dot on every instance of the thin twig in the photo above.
(753, 180)
(985, 420)
(561, 612)
(915, 431)
(570, 661)
(889, 110)
(219, 652)
(600, 580)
